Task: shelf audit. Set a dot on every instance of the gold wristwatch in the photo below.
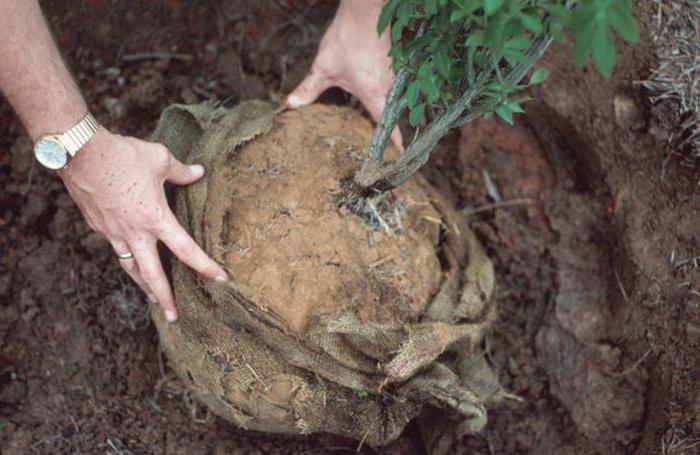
(54, 151)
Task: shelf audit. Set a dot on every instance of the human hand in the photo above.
(117, 182)
(354, 57)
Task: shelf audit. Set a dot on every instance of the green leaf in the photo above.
(524, 99)
(557, 33)
(538, 76)
(387, 14)
(430, 88)
(412, 93)
(416, 115)
(424, 71)
(604, 52)
(494, 35)
(514, 107)
(443, 63)
(398, 54)
(585, 25)
(491, 6)
(558, 11)
(431, 7)
(520, 42)
(532, 23)
(475, 39)
(514, 57)
(446, 96)
(505, 113)
(621, 19)
(457, 15)
(403, 15)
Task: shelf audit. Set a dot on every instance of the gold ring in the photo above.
(124, 256)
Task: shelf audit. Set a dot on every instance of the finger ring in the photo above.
(124, 256)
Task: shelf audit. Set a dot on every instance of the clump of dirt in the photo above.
(293, 251)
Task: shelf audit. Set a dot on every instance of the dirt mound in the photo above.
(288, 244)
(334, 320)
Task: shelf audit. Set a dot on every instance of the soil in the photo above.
(329, 262)
(594, 239)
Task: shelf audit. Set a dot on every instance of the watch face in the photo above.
(51, 153)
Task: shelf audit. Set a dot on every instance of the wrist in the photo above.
(82, 162)
(60, 117)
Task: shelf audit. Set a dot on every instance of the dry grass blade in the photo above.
(498, 205)
(677, 77)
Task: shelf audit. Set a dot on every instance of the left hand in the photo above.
(354, 57)
(117, 182)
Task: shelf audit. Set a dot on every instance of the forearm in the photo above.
(33, 76)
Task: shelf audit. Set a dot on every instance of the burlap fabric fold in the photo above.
(269, 354)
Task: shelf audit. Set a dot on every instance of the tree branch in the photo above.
(380, 176)
(514, 76)
(394, 107)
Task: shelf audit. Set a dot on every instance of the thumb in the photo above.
(315, 83)
(181, 174)
(397, 139)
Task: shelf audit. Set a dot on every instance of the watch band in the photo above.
(76, 137)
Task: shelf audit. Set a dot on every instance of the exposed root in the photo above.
(380, 211)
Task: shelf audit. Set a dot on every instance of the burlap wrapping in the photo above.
(343, 375)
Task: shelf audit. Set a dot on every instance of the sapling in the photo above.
(460, 60)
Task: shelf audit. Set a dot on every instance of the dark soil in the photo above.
(595, 242)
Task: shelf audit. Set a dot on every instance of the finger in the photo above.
(182, 174)
(187, 250)
(151, 269)
(396, 138)
(315, 83)
(132, 269)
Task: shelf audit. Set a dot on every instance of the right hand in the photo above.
(117, 182)
(353, 56)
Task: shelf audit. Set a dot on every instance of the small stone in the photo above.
(211, 53)
(692, 330)
(114, 106)
(627, 113)
(112, 71)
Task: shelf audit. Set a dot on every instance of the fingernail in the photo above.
(221, 278)
(197, 170)
(293, 101)
(170, 316)
(152, 298)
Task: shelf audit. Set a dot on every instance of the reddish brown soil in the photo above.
(598, 289)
